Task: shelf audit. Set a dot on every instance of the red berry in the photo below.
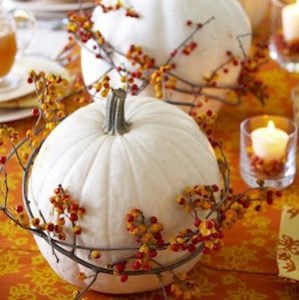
(215, 188)
(136, 265)
(139, 255)
(258, 207)
(206, 250)
(197, 222)
(50, 227)
(77, 230)
(209, 224)
(184, 247)
(35, 222)
(74, 207)
(181, 201)
(195, 240)
(73, 217)
(19, 209)
(191, 248)
(160, 243)
(2, 160)
(246, 204)
(124, 278)
(209, 113)
(35, 112)
(175, 247)
(152, 253)
(130, 218)
(135, 87)
(120, 266)
(153, 220)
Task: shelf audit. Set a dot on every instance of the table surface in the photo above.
(245, 267)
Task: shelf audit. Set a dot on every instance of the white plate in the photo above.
(8, 115)
(24, 66)
(50, 6)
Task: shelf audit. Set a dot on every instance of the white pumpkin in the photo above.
(256, 10)
(161, 28)
(147, 167)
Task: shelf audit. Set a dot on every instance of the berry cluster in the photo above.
(117, 5)
(50, 89)
(136, 56)
(195, 201)
(235, 205)
(198, 198)
(21, 216)
(102, 86)
(144, 67)
(206, 233)
(66, 208)
(10, 136)
(188, 48)
(184, 288)
(249, 83)
(81, 25)
(266, 169)
(160, 80)
(148, 234)
(205, 120)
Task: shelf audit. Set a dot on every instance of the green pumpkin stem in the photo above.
(115, 123)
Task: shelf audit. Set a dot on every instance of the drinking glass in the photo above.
(284, 41)
(12, 46)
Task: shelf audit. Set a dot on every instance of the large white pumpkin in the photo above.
(147, 167)
(161, 28)
(256, 10)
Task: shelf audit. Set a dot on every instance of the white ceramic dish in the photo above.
(23, 67)
(50, 6)
(8, 115)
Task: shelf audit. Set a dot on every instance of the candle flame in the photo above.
(271, 125)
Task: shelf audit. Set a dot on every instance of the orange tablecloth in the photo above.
(245, 268)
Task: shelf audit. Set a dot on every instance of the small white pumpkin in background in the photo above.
(146, 167)
(256, 10)
(161, 28)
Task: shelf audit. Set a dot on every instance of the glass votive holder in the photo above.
(268, 151)
(284, 41)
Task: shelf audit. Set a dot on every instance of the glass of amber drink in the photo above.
(9, 48)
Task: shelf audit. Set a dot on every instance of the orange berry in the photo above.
(95, 254)
(35, 222)
(77, 230)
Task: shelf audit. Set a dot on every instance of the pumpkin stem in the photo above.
(115, 123)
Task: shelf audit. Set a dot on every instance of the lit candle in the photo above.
(290, 22)
(269, 143)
